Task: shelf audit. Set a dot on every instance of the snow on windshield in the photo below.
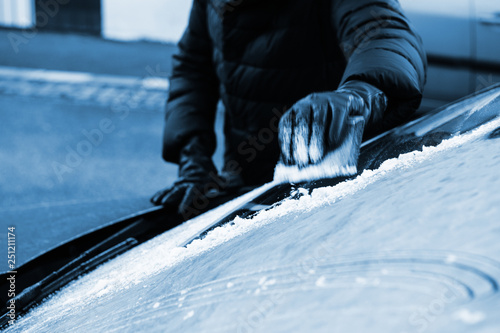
(286, 269)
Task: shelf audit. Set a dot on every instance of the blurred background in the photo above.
(83, 84)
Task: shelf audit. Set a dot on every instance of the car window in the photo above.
(446, 31)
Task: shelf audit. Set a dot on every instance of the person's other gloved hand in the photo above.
(317, 124)
(197, 181)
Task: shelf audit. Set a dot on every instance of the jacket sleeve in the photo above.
(382, 48)
(194, 93)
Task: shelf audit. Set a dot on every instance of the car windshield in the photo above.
(323, 248)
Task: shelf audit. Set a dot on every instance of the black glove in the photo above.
(317, 124)
(198, 181)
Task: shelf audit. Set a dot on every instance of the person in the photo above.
(286, 71)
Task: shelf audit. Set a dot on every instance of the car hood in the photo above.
(411, 244)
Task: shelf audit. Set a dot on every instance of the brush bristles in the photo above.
(341, 162)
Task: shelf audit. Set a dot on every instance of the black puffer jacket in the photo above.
(261, 56)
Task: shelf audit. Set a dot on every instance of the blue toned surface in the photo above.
(409, 246)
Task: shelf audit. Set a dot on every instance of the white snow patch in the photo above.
(321, 282)
(229, 285)
(361, 281)
(270, 282)
(189, 315)
(102, 292)
(451, 258)
(264, 282)
(468, 317)
(318, 198)
(102, 287)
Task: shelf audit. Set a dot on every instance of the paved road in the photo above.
(81, 121)
(70, 163)
(59, 176)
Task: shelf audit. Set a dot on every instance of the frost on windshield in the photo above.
(404, 247)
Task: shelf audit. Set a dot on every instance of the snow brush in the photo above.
(341, 162)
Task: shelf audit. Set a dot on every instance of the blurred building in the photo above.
(155, 20)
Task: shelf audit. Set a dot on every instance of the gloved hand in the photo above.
(317, 124)
(197, 181)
